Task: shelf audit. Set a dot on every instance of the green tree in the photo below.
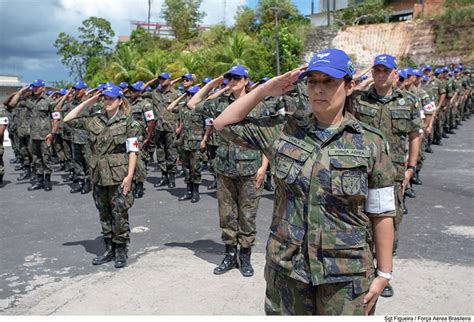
(153, 64)
(95, 38)
(246, 20)
(266, 10)
(124, 64)
(62, 84)
(367, 12)
(183, 16)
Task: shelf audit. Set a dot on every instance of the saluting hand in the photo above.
(279, 85)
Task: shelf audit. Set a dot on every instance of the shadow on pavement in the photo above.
(94, 246)
(205, 249)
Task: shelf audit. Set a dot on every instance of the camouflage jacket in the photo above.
(426, 104)
(320, 231)
(450, 90)
(193, 128)
(139, 108)
(41, 121)
(107, 139)
(24, 116)
(232, 160)
(4, 120)
(396, 116)
(165, 120)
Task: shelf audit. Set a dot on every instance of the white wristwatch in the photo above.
(387, 276)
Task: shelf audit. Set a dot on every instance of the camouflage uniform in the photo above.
(237, 195)
(109, 166)
(24, 115)
(450, 112)
(3, 123)
(165, 130)
(13, 132)
(57, 140)
(396, 116)
(319, 252)
(439, 88)
(80, 150)
(66, 131)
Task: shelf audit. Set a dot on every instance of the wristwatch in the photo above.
(387, 276)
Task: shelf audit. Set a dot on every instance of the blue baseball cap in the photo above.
(188, 76)
(438, 71)
(158, 87)
(123, 85)
(80, 85)
(402, 73)
(112, 91)
(409, 71)
(386, 60)
(49, 92)
(62, 91)
(100, 86)
(38, 83)
(226, 81)
(428, 67)
(457, 70)
(137, 86)
(109, 84)
(206, 80)
(165, 75)
(461, 67)
(148, 89)
(417, 72)
(237, 70)
(333, 62)
(451, 74)
(193, 89)
(425, 78)
(446, 69)
(264, 79)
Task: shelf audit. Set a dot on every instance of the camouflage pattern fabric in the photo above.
(166, 152)
(139, 107)
(41, 157)
(3, 113)
(40, 121)
(165, 120)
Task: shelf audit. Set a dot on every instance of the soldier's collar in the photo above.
(372, 93)
(348, 121)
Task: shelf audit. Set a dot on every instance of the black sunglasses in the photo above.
(235, 77)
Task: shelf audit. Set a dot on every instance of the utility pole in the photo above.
(149, 15)
(277, 40)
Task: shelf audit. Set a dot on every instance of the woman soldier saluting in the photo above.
(334, 200)
(113, 137)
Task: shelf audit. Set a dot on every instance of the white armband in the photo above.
(429, 108)
(422, 114)
(132, 145)
(149, 116)
(281, 111)
(209, 122)
(56, 115)
(4, 120)
(380, 200)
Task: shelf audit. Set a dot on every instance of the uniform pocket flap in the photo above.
(288, 233)
(294, 151)
(367, 110)
(343, 239)
(349, 162)
(400, 114)
(117, 160)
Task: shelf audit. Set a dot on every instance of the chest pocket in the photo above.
(247, 161)
(400, 119)
(349, 176)
(367, 114)
(290, 159)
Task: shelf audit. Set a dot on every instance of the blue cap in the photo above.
(49, 92)
(100, 86)
(137, 86)
(158, 87)
(193, 89)
(148, 89)
(108, 84)
(226, 81)
(446, 69)
(461, 67)
(112, 91)
(165, 75)
(188, 76)
(264, 79)
(451, 74)
(333, 62)
(417, 72)
(438, 71)
(181, 88)
(457, 70)
(364, 77)
(80, 85)
(409, 71)
(428, 67)
(402, 73)
(386, 60)
(425, 78)
(38, 83)
(207, 80)
(123, 85)
(237, 70)
(62, 91)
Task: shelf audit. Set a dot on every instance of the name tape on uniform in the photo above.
(349, 152)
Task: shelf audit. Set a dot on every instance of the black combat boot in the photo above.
(196, 197)
(189, 192)
(416, 178)
(138, 193)
(78, 187)
(445, 133)
(171, 181)
(87, 187)
(268, 184)
(229, 262)
(37, 184)
(47, 182)
(163, 181)
(120, 255)
(387, 291)
(108, 255)
(25, 175)
(410, 193)
(213, 184)
(1, 179)
(245, 266)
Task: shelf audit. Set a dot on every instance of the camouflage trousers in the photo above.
(237, 199)
(67, 148)
(59, 148)
(166, 152)
(439, 125)
(25, 152)
(287, 296)
(398, 212)
(15, 142)
(192, 166)
(140, 168)
(80, 160)
(211, 158)
(41, 153)
(113, 209)
(2, 151)
(421, 152)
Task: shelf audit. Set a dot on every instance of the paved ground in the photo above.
(49, 238)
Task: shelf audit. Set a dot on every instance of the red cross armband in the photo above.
(149, 116)
(209, 122)
(132, 145)
(4, 120)
(56, 115)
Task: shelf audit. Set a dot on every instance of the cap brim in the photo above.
(227, 75)
(336, 73)
(385, 64)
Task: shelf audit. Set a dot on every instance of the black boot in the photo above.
(25, 175)
(268, 184)
(1, 179)
(213, 184)
(37, 184)
(86, 188)
(445, 133)
(163, 181)
(416, 178)
(120, 255)
(196, 197)
(171, 181)
(108, 255)
(245, 266)
(410, 193)
(229, 262)
(189, 192)
(138, 193)
(47, 182)
(405, 209)
(78, 187)
(387, 291)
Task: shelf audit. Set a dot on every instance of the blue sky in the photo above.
(304, 6)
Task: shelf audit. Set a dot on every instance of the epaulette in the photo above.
(372, 129)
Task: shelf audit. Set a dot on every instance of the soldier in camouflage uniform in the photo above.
(238, 169)
(142, 113)
(57, 135)
(334, 198)
(165, 131)
(439, 88)
(3, 126)
(113, 137)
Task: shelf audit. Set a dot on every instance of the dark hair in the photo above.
(348, 104)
